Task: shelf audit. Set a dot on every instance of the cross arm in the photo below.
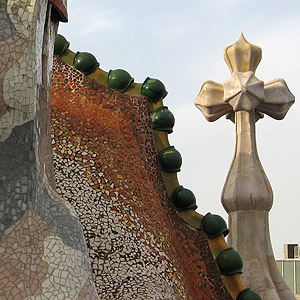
(278, 99)
(210, 101)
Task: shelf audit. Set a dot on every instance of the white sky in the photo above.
(181, 43)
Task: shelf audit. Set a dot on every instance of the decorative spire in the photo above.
(247, 194)
(242, 56)
(244, 91)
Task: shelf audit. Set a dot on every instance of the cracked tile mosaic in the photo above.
(104, 227)
(7, 27)
(106, 167)
(42, 247)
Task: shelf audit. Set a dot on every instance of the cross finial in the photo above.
(247, 194)
(242, 58)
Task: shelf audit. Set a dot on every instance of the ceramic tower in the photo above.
(247, 194)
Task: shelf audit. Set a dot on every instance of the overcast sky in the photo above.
(181, 43)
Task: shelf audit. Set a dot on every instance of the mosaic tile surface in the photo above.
(106, 167)
(103, 228)
(42, 248)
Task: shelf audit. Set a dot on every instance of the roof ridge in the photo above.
(214, 226)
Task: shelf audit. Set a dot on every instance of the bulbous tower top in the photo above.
(242, 56)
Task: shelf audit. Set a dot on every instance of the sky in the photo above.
(181, 43)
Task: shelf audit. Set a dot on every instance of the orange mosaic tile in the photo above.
(106, 167)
